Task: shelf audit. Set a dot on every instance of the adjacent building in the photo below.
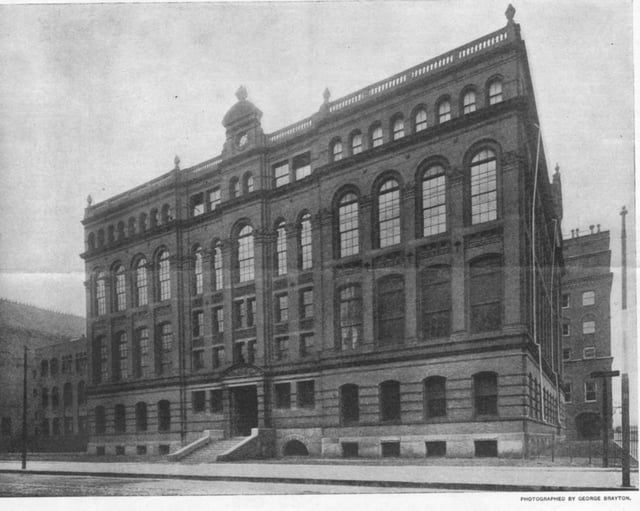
(381, 278)
(586, 330)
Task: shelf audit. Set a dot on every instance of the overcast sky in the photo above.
(95, 99)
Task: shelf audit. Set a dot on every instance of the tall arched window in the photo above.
(153, 218)
(356, 142)
(142, 358)
(122, 356)
(485, 393)
(486, 293)
(100, 420)
(420, 120)
(100, 238)
(306, 254)
(142, 222)
(435, 302)
(248, 182)
(165, 214)
(245, 254)
(132, 227)
(121, 289)
(119, 419)
(164, 415)
(164, 275)
(495, 91)
(217, 266)
(281, 248)
(336, 150)
(349, 315)
(110, 235)
(444, 111)
(435, 402)
(121, 234)
(483, 187)
(348, 227)
(234, 188)
(91, 241)
(197, 271)
(101, 293)
(390, 400)
(141, 416)
(390, 310)
(397, 128)
(469, 102)
(376, 135)
(142, 292)
(349, 404)
(434, 201)
(389, 213)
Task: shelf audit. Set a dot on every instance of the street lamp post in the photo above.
(605, 375)
(24, 411)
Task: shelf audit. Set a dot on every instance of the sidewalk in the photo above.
(472, 478)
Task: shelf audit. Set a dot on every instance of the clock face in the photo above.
(242, 139)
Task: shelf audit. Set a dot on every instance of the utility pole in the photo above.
(626, 462)
(606, 415)
(24, 411)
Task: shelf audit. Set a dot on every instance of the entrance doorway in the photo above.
(244, 406)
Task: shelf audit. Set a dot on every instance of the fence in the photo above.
(633, 442)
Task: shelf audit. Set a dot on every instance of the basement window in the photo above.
(486, 448)
(434, 449)
(390, 449)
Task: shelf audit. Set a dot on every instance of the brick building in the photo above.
(586, 329)
(357, 283)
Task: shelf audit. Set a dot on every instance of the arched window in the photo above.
(132, 227)
(142, 292)
(389, 213)
(217, 266)
(434, 201)
(349, 313)
(44, 368)
(55, 397)
(349, 404)
(141, 416)
(100, 418)
(122, 357)
(348, 242)
(165, 349)
(166, 215)
(486, 294)
(306, 254)
(420, 120)
(82, 393)
(356, 142)
(484, 200)
(111, 234)
(435, 402)
(164, 415)
(153, 218)
(54, 366)
(444, 111)
(390, 310)
(142, 222)
(247, 182)
(376, 135)
(100, 238)
(281, 249)
(336, 150)
(245, 254)
(91, 241)
(495, 91)
(121, 234)
(67, 395)
(121, 289)
(197, 271)
(397, 127)
(435, 301)
(101, 294)
(485, 393)
(119, 419)
(142, 353)
(390, 400)
(234, 188)
(164, 275)
(469, 102)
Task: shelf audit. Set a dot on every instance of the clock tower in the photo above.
(242, 124)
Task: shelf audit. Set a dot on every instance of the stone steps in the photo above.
(210, 452)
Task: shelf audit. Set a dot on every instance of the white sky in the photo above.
(95, 99)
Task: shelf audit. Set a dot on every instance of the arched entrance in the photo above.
(295, 448)
(588, 425)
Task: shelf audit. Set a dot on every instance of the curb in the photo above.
(333, 482)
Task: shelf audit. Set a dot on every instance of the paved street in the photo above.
(33, 485)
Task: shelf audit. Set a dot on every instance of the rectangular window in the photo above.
(566, 354)
(218, 320)
(349, 449)
(567, 393)
(218, 356)
(484, 198)
(390, 449)
(390, 310)
(350, 317)
(589, 352)
(282, 348)
(215, 401)
(302, 166)
(590, 391)
(143, 363)
(306, 344)
(239, 314)
(238, 353)
(281, 173)
(283, 395)
(306, 394)
(68, 425)
(566, 300)
(282, 308)
(436, 448)
(251, 352)
(81, 362)
(566, 329)
(213, 197)
(434, 202)
(198, 359)
(436, 302)
(197, 204)
(486, 448)
(306, 303)
(588, 327)
(67, 364)
(198, 324)
(166, 347)
(486, 295)
(251, 312)
(588, 298)
(198, 399)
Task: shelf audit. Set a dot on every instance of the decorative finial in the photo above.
(89, 200)
(241, 93)
(510, 13)
(326, 95)
(624, 211)
(557, 168)
(176, 160)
